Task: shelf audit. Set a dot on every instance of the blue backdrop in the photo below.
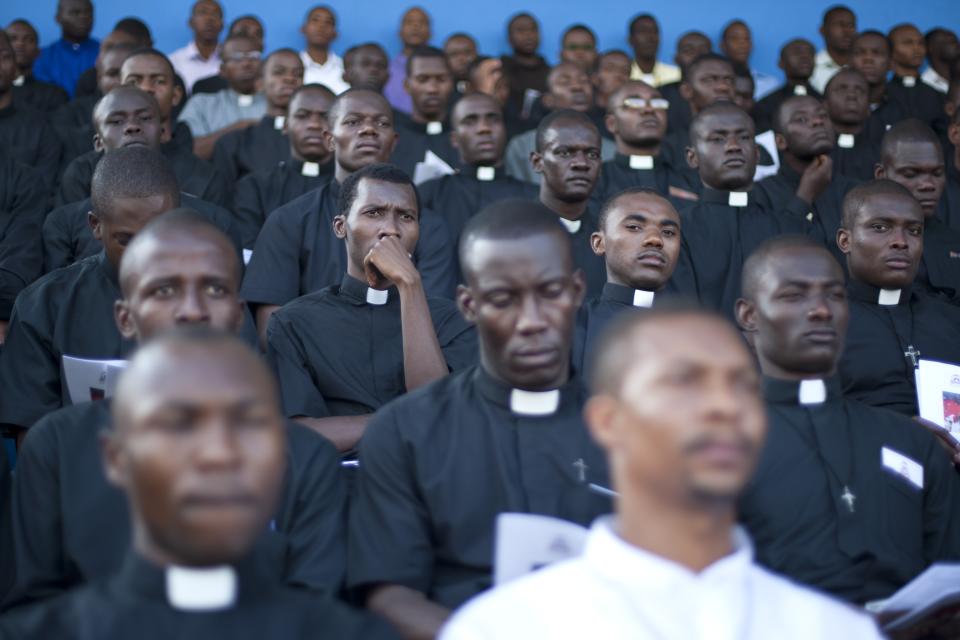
(773, 21)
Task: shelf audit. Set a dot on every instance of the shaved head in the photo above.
(855, 199)
(759, 265)
(907, 131)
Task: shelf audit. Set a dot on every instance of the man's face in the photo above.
(839, 30)
(737, 43)
(8, 66)
(523, 296)
(75, 18)
(797, 59)
(943, 47)
(368, 69)
(152, 75)
(690, 47)
(798, 319)
(688, 423)
(918, 166)
(612, 73)
(807, 130)
(307, 125)
(415, 28)
(460, 52)
(429, 84)
(363, 132)
(569, 88)
(478, 130)
(637, 114)
(570, 162)
(282, 74)
(885, 244)
(126, 119)
(724, 151)
(241, 64)
(524, 35)
(709, 82)
(182, 279)
(909, 49)
(847, 99)
(201, 454)
(23, 39)
(380, 210)
(108, 68)
(743, 92)
(127, 216)
(640, 241)
(320, 28)
(250, 28)
(206, 21)
(645, 38)
(871, 57)
(579, 48)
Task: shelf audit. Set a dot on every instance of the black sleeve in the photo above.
(58, 245)
(73, 185)
(273, 273)
(941, 506)
(6, 539)
(224, 157)
(457, 338)
(21, 217)
(47, 159)
(248, 206)
(435, 257)
(287, 358)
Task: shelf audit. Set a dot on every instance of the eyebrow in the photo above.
(666, 222)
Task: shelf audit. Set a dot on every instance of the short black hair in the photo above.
(348, 55)
(724, 105)
(156, 54)
(460, 34)
(933, 33)
(517, 16)
(579, 27)
(319, 7)
(909, 130)
(733, 23)
(704, 58)
(248, 16)
(25, 23)
(286, 50)
(123, 88)
(349, 93)
(844, 71)
(878, 34)
(560, 114)
(611, 202)
(855, 199)
(835, 9)
(381, 171)
(132, 172)
(637, 18)
(135, 28)
(472, 94)
(755, 266)
(313, 86)
(426, 52)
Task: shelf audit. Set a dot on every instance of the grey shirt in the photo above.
(205, 113)
(517, 158)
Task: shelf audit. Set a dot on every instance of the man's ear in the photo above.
(597, 243)
(340, 226)
(611, 122)
(600, 413)
(692, 160)
(953, 133)
(536, 161)
(686, 91)
(177, 95)
(113, 457)
(579, 287)
(781, 141)
(843, 241)
(124, 320)
(455, 140)
(95, 225)
(97, 143)
(879, 172)
(328, 139)
(466, 303)
(746, 314)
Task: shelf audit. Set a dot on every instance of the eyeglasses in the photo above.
(579, 47)
(240, 57)
(660, 104)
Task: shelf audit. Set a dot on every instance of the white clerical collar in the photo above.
(244, 100)
(207, 589)
(310, 169)
(909, 81)
(738, 198)
(643, 298)
(572, 225)
(377, 296)
(19, 80)
(846, 141)
(812, 392)
(278, 122)
(486, 174)
(434, 128)
(799, 90)
(641, 162)
(534, 403)
(888, 297)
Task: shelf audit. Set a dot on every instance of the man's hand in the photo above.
(388, 262)
(815, 179)
(951, 446)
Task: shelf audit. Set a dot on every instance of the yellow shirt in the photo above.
(662, 74)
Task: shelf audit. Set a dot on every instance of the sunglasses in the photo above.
(660, 104)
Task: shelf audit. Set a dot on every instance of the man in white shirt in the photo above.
(839, 29)
(201, 57)
(644, 37)
(676, 404)
(320, 64)
(942, 51)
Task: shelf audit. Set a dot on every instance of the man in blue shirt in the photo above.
(65, 60)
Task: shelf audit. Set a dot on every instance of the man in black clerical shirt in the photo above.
(893, 323)
(797, 62)
(261, 146)
(638, 236)
(567, 156)
(847, 99)
(949, 208)
(805, 139)
(439, 464)
(690, 46)
(297, 251)
(344, 351)
(45, 97)
(526, 71)
(850, 499)
(871, 57)
(730, 220)
(637, 118)
(426, 130)
(480, 136)
(911, 155)
(70, 311)
(198, 446)
(309, 164)
(908, 52)
(366, 66)
(71, 526)
(25, 135)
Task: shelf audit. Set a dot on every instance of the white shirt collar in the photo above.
(799, 90)
(332, 60)
(846, 141)
(572, 225)
(935, 80)
(377, 296)
(888, 297)
(738, 198)
(823, 59)
(641, 162)
(19, 80)
(643, 298)
(909, 81)
(434, 128)
(486, 174)
(278, 122)
(534, 403)
(207, 589)
(812, 392)
(310, 169)
(244, 99)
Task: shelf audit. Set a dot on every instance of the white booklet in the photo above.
(935, 589)
(91, 379)
(938, 395)
(432, 166)
(526, 542)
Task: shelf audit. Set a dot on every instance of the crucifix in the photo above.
(848, 498)
(912, 355)
(581, 468)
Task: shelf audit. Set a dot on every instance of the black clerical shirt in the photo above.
(417, 138)
(66, 312)
(71, 526)
(73, 123)
(877, 367)
(256, 148)
(847, 498)
(948, 209)
(939, 273)
(593, 267)
(336, 354)
(42, 97)
(23, 201)
(855, 156)
(765, 110)
(625, 172)
(915, 97)
(297, 252)
(25, 136)
(439, 464)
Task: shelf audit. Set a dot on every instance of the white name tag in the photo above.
(903, 466)
(641, 162)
